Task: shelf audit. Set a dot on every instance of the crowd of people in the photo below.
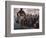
(30, 22)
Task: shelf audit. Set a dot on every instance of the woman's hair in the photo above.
(21, 12)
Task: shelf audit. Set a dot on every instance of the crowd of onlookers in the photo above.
(31, 21)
